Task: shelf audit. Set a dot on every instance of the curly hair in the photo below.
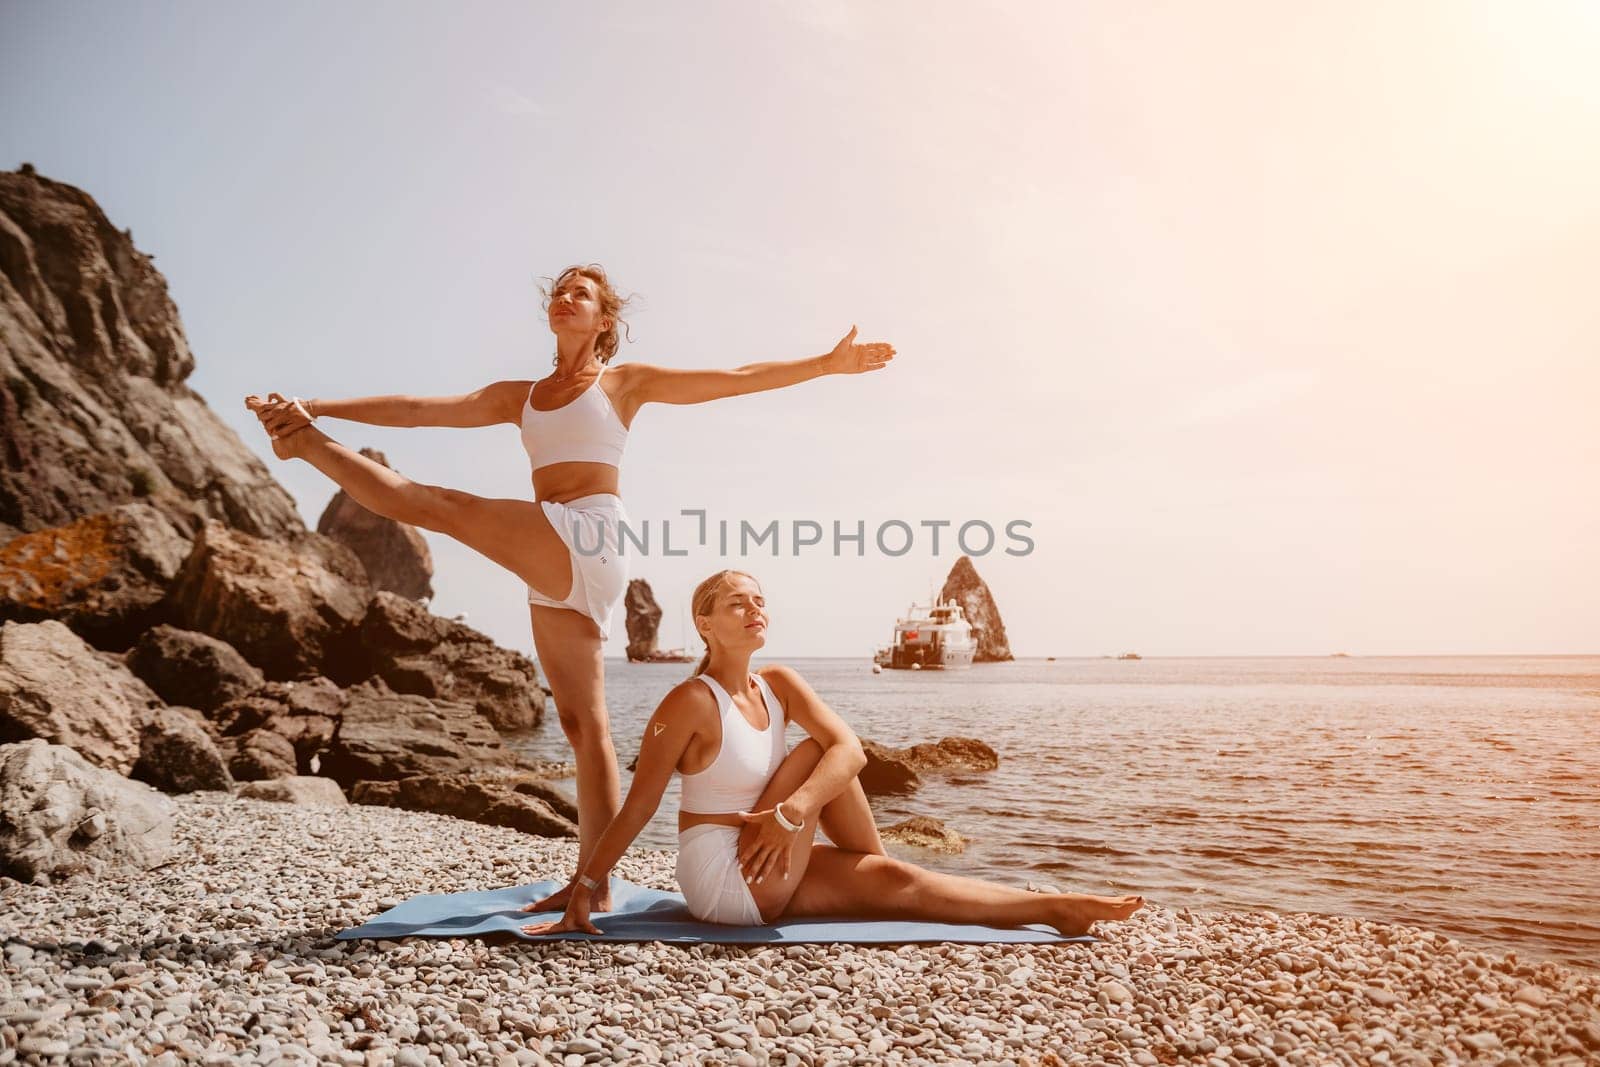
(611, 304)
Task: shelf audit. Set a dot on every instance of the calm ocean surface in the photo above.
(1461, 794)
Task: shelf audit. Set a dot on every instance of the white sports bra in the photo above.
(747, 759)
(584, 429)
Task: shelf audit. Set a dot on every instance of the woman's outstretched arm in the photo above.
(766, 850)
(667, 385)
(489, 406)
(666, 735)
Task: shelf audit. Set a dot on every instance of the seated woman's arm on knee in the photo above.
(489, 406)
(679, 716)
(842, 755)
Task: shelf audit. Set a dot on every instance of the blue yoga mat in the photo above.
(642, 914)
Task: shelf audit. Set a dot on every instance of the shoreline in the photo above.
(228, 952)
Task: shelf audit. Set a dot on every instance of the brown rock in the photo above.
(887, 771)
(970, 591)
(55, 687)
(417, 652)
(177, 755)
(60, 815)
(300, 789)
(467, 798)
(899, 770)
(924, 832)
(94, 411)
(283, 605)
(261, 754)
(385, 735)
(952, 755)
(395, 555)
(644, 622)
(192, 669)
(104, 575)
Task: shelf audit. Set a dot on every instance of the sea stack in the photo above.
(395, 555)
(977, 604)
(644, 622)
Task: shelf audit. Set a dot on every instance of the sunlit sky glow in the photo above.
(1277, 322)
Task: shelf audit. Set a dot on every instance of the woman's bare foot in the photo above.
(557, 901)
(1074, 913)
(283, 420)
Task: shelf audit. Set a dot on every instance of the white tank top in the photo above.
(744, 763)
(585, 428)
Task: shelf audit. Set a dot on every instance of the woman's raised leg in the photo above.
(568, 644)
(513, 533)
(865, 886)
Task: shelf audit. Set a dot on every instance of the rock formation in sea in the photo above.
(900, 770)
(166, 615)
(395, 555)
(644, 621)
(970, 591)
(923, 831)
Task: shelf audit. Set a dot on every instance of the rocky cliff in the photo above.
(94, 411)
(165, 613)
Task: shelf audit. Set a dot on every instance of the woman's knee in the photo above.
(585, 728)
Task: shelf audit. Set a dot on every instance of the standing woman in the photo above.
(574, 424)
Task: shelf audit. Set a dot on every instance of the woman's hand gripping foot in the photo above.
(283, 419)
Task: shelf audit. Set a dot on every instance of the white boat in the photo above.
(930, 638)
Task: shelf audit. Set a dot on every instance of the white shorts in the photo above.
(709, 875)
(591, 528)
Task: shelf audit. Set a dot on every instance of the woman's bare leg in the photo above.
(517, 535)
(513, 533)
(848, 822)
(568, 644)
(865, 886)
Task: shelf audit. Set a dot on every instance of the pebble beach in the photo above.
(227, 955)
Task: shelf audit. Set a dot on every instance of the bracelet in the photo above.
(777, 813)
(588, 883)
(300, 406)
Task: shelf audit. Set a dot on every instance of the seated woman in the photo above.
(750, 810)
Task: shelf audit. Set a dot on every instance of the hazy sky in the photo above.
(1277, 322)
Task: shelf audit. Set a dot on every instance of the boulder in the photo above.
(55, 687)
(262, 754)
(385, 736)
(536, 786)
(970, 591)
(887, 771)
(643, 619)
(60, 816)
(468, 798)
(299, 789)
(306, 714)
(105, 575)
(283, 605)
(899, 770)
(395, 555)
(414, 651)
(951, 755)
(921, 831)
(94, 409)
(177, 755)
(192, 669)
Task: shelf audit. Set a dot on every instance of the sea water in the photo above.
(1461, 794)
